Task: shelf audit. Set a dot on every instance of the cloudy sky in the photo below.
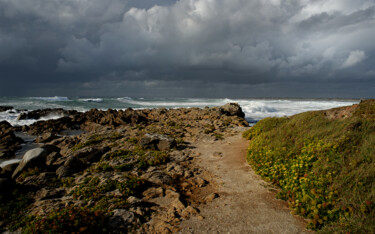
(188, 48)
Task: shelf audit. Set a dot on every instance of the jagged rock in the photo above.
(157, 142)
(121, 220)
(52, 158)
(232, 109)
(32, 158)
(153, 193)
(157, 177)
(9, 142)
(91, 154)
(37, 114)
(71, 166)
(5, 108)
(41, 180)
(46, 137)
(50, 193)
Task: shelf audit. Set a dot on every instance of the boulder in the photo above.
(9, 142)
(71, 166)
(157, 177)
(44, 179)
(157, 142)
(8, 169)
(37, 114)
(46, 137)
(232, 109)
(121, 221)
(91, 154)
(32, 158)
(5, 108)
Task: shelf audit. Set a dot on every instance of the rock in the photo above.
(8, 169)
(51, 193)
(41, 180)
(52, 158)
(200, 182)
(157, 177)
(37, 114)
(91, 154)
(153, 193)
(121, 220)
(71, 166)
(218, 154)
(9, 142)
(189, 211)
(232, 109)
(5, 186)
(46, 137)
(211, 197)
(5, 108)
(157, 142)
(32, 158)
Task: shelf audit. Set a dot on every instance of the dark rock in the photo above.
(71, 166)
(5, 108)
(232, 109)
(121, 220)
(51, 193)
(32, 158)
(6, 185)
(37, 114)
(91, 154)
(9, 142)
(42, 180)
(46, 137)
(52, 158)
(157, 142)
(8, 169)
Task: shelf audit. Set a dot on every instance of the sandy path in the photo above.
(245, 204)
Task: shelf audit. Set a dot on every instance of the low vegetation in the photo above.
(325, 167)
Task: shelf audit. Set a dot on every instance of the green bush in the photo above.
(325, 168)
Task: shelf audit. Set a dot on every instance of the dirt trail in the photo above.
(245, 204)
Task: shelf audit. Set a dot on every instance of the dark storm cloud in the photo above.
(188, 47)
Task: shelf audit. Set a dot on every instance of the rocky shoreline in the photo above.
(122, 171)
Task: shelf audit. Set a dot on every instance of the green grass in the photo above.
(325, 168)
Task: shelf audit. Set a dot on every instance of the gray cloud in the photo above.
(188, 47)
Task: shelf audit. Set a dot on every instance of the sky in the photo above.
(188, 48)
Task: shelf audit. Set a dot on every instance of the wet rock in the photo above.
(37, 114)
(32, 158)
(121, 220)
(9, 142)
(157, 142)
(5, 108)
(232, 109)
(71, 166)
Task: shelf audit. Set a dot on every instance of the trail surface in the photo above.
(245, 203)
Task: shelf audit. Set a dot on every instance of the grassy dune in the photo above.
(324, 163)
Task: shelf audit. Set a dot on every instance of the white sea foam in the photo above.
(52, 99)
(91, 99)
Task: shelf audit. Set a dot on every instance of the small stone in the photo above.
(200, 217)
(211, 197)
(218, 154)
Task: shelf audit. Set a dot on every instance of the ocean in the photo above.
(254, 109)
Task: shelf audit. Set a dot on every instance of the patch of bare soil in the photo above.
(243, 202)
